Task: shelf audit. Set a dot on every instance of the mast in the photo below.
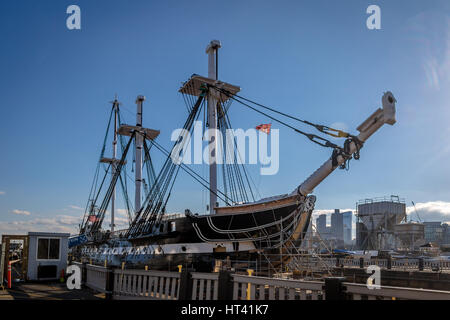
(212, 51)
(138, 150)
(113, 197)
(113, 161)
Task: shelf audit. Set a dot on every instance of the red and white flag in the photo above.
(264, 128)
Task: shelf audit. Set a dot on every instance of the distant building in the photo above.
(433, 231)
(347, 219)
(445, 234)
(321, 224)
(337, 225)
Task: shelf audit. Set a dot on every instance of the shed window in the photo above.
(48, 249)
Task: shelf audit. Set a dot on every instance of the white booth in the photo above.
(47, 255)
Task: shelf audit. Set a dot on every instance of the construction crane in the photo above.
(418, 217)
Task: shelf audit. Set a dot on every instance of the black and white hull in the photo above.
(236, 232)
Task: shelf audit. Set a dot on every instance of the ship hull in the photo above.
(240, 233)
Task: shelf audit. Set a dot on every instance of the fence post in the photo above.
(337, 262)
(389, 263)
(420, 264)
(109, 284)
(225, 284)
(185, 292)
(361, 263)
(334, 288)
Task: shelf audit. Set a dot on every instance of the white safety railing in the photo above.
(96, 277)
(150, 285)
(261, 288)
(147, 285)
(205, 286)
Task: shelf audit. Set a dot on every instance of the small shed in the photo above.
(47, 255)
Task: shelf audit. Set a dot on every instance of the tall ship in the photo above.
(237, 226)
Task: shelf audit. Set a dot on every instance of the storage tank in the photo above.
(380, 216)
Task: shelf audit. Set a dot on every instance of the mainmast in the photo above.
(113, 197)
(194, 86)
(212, 51)
(138, 150)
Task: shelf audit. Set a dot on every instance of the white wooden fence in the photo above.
(205, 286)
(97, 278)
(262, 288)
(150, 285)
(147, 285)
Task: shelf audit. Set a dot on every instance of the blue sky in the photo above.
(313, 59)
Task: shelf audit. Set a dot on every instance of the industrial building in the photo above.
(377, 218)
(410, 236)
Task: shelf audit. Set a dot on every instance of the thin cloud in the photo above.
(2, 193)
(431, 32)
(21, 212)
(59, 223)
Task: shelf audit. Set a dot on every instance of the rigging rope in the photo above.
(314, 138)
(145, 218)
(321, 128)
(337, 150)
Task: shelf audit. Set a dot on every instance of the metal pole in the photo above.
(211, 50)
(139, 143)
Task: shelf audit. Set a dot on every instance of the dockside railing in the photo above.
(205, 286)
(262, 288)
(97, 278)
(147, 285)
(164, 285)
